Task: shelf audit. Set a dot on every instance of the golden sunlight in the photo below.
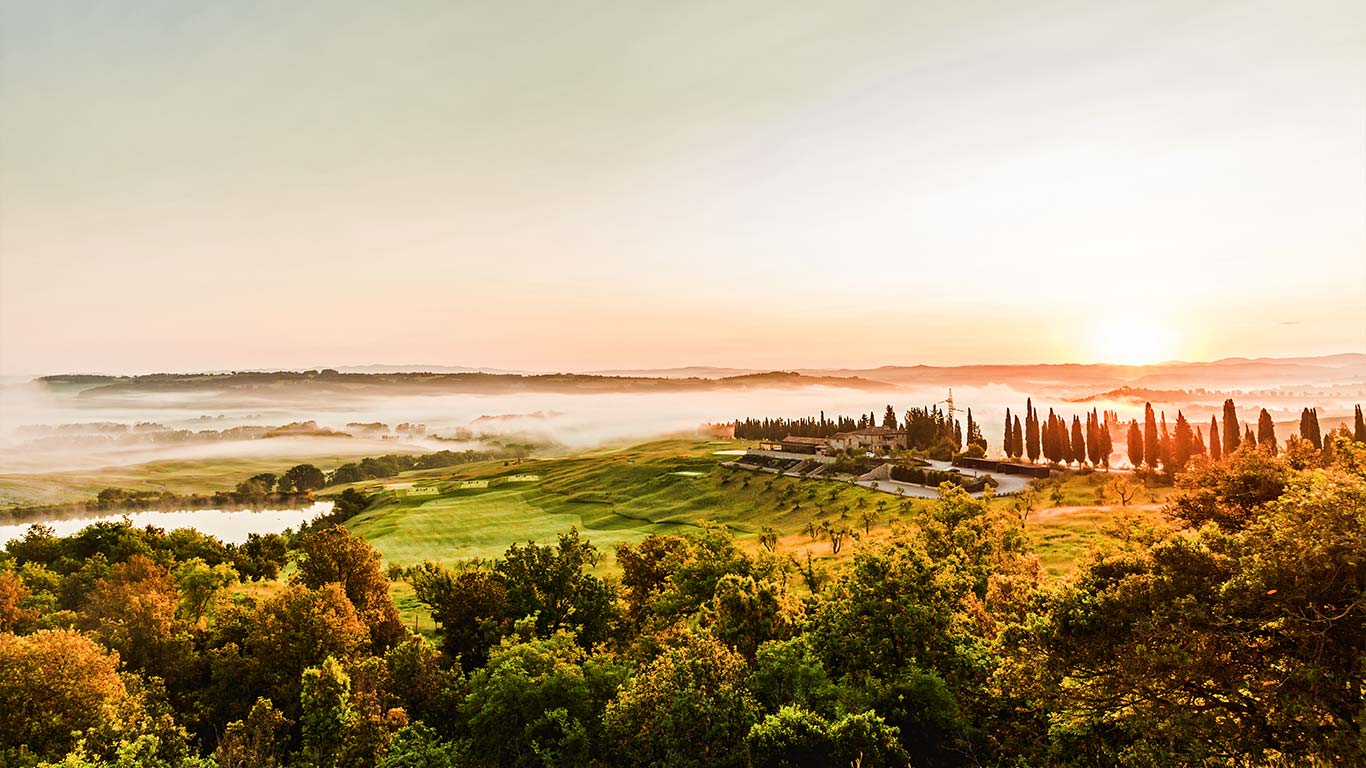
(1127, 342)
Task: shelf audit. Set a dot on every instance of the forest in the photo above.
(1233, 636)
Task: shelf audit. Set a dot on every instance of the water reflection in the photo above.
(229, 526)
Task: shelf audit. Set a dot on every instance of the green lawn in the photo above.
(612, 497)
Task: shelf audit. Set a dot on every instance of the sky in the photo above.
(582, 184)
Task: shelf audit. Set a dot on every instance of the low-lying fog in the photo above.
(42, 431)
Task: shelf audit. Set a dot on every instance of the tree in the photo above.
(1230, 492)
(1152, 441)
(549, 582)
(133, 611)
(327, 714)
(1078, 442)
(889, 418)
(1031, 431)
(1124, 489)
(1309, 427)
(302, 478)
(975, 433)
(335, 556)
(1183, 443)
(1008, 441)
(1231, 432)
(1018, 446)
(13, 595)
(1266, 432)
(540, 703)
(200, 583)
(1215, 443)
(470, 605)
(1359, 427)
(794, 737)
(1223, 645)
(689, 707)
(55, 684)
(1135, 445)
(257, 741)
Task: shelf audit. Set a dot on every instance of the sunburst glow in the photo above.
(1128, 342)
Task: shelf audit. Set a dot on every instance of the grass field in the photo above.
(203, 475)
(615, 496)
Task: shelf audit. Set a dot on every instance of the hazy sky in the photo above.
(574, 185)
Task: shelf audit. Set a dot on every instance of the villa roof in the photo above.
(806, 440)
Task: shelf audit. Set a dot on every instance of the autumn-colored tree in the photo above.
(13, 594)
(335, 556)
(134, 611)
(54, 685)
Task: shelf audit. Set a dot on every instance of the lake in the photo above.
(228, 526)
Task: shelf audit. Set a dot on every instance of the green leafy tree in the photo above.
(302, 478)
(688, 707)
(540, 703)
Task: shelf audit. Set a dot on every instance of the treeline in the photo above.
(1055, 441)
(292, 487)
(925, 428)
(1234, 641)
(1153, 447)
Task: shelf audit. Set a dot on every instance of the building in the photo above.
(812, 445)
(875, 439)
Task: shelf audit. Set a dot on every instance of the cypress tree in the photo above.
(1231, 430)
(1032, 447)
(1106, 446)
(1183, 443)
(1359, 428)
(1309, 427)
(1008, 442)
(1017, 448)
(1266, 432)
(1199, 442)
(1151, 446)
(1249, 439)
(1078, 442)
(1215, 445)
(889, 418)
(1165, 444)
(1135, 445)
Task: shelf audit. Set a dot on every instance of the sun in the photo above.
(1127, 342)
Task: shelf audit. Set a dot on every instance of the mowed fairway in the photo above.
(611, 497)
(481, 524)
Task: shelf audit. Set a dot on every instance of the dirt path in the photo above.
(1044, 515)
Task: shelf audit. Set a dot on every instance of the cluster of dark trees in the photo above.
(1234, 641)
(1154, 447)
(926, 428)
(292, 487)
(375, 467)
(1054, 441)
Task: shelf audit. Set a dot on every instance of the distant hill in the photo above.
(277, 385)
